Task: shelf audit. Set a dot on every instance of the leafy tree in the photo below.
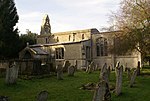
(8, 34)
(133, 20)
(27, 38)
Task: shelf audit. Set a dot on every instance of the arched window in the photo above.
(46, 40)
(59, 53)
(101, 47)
(69, 37)
(82, 36)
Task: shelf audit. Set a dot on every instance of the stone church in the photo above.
(79, 47)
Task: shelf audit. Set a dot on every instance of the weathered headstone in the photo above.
(119, 73)
(104, 73)
(103, 69)
(65, 66)
(102, 92)
(12, 73)
(42, 96)
(59, 70)
(91, 67)
(96, 67)
(71, 70)
(133, 77)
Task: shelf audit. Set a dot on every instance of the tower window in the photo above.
(74, 36)
(82, 36)
(69, 37)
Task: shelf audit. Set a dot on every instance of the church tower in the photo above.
(45, 27)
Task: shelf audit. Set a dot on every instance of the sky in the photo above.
(65, 15)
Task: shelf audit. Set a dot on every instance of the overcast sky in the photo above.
(65, 15)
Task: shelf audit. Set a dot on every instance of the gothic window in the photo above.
(82, 36)
(74, 36)
(101, 47)
(59, 53)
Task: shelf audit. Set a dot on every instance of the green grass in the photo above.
(68, 89)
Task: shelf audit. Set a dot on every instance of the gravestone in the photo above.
(42, 96)
(102, 92)
(65, 66)
(119, 73)
(104, 74)
(103, 69)
(59, 70)
(133, 77)
(71, 70)
(12, 73)
(90, 68)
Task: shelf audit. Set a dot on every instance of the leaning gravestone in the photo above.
(42, 96)
(133, 77)
(12, 73)
(71, 70)
(65, 66)
(103, 69)
(119, 73)
(59, 70)
(104, 75)
(102, 92)
(90, 67)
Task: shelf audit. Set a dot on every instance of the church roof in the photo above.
(91, 30)
(58, 43)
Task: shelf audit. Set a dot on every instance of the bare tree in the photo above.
(133, 20)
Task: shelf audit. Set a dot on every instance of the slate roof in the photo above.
(38, 51)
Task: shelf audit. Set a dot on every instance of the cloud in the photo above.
(31, 21)
(65, 14)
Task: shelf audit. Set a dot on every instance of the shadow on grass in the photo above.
(146, 67)
(145, 74)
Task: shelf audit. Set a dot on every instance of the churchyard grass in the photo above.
(68, 88)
